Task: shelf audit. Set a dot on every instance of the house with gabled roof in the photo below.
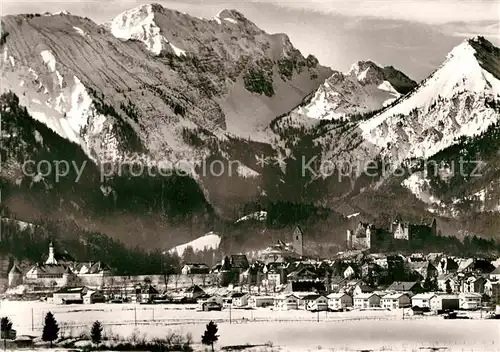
(406, 287)
(424, 268)
(287, 302)
(470, 300)
(422, 300)
(194, 291)
(239, 262)
(50, 275)
(195, 269)
(305, 286)
(303, 274)
(239, 299)
(366, 300)
(253, 275)
(314, 302)
(448, 280)
(337, 283)
(339, 301)
(441, 302)
(69, 295)
(473, 283)
(495, 274)
(396, 301)
(362, 288)
(147, 293)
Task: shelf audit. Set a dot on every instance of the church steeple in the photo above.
(51, 259)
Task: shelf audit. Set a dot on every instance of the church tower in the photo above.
(51, 259)
(298, 241)
(15, 276)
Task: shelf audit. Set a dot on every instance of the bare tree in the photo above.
(177, 277)
(191, 277)
(166, 279)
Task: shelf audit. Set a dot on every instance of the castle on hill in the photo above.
(367, 236)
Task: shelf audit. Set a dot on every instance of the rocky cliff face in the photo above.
(152, 86)
(365, 88)
(171, 91)
(135, 84)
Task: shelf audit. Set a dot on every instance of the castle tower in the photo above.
(15, 276)
(298, 241)
(368, 242)
(349, 239)
(406, 231)
(434, 227)
(51, 259)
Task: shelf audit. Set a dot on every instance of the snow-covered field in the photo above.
(208, 241)
(292, 330)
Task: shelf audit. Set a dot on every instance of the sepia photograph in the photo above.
(250, 175)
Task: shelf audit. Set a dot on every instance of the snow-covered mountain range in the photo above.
(451, 103)
(365, 88)
(457, 100)
(169, 89)
(141, 82)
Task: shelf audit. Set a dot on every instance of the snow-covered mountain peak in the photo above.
(450, 103)
(58, 13)
(138, 23)
(367, 72)
(229, 16)
(365, 87)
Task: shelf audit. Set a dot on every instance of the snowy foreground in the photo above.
(288, 330)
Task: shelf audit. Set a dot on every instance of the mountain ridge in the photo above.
(186, 91)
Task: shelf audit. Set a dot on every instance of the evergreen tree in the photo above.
(210, 336)
(430, 284)
(50, 329)
(448, 287)
(96, 332)
(6, 327)
(188, 256)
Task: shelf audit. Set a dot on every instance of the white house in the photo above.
(366, 300)
(338, 301)
(239, 299)
(495, 274)
(260, 301)
(314, 302)
(68, 295)
(50, 275)
(470, 300)
(444, 301)
(214, 298)
(396, 300)
(274, 278)
(93, 297)
(288, 302)
(422, 300)
(146, 294)
(195, 268)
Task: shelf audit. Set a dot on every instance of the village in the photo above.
(281, 284)
(282, 278)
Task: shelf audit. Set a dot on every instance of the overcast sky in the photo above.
(413, 36)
